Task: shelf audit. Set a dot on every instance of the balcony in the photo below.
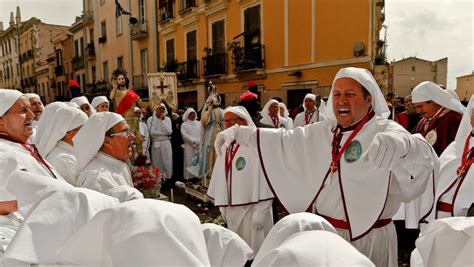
(88, 16)
(102, 39)
(166, 11)
(139, 30)
(187, 70)
(215, 64)
(248, 58)
(186, 5)
(170, 66)
(90, 51)
(77, 63)
(59, 70)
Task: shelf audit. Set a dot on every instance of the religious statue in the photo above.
(212, 123)
(125, 101)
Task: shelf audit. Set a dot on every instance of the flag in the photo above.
(119, 11)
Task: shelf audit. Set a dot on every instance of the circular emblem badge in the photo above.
(240, 163)
(282, 126)
(353, 151)
(431, 137)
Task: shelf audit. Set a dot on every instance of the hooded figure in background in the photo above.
(271, 115)
(191, 133)
(311, 113)
(56, 129)
(84, 105)
(37, 107)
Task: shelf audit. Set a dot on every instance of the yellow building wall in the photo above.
(299, 31)
(273, 23)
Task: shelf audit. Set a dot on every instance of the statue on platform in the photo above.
(212, 123)
(125, 101)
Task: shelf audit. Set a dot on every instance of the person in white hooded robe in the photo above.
(328, 163)
(100, 103)
(58, 126)
(102, 146)
(84, 105)
(160, 130)
(455, 187)
(285, 114)
(311, 113)
(271, 115)
(143, 128)
(238, 188)
(37, 107)
(191, 133)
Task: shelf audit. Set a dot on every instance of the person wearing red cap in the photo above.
(75, 88)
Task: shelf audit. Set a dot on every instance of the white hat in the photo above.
(264, 112)
(286, 114)
(430, 91)
(99, 100)
(289, 225)
(225, 247)
(186, 114)
(58, 118)
(364, 78)
(309, 96)
(90, 137)
(32, 95)
(8, 97)
(142, 232)
(242, 113)
(81, 100)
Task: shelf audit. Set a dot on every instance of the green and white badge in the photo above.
(353, 151)
(240, 163)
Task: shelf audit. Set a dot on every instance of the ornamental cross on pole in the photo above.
(162, 86)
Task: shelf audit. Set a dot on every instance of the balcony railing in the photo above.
(170, 66)
(77, 63)
(187, 70)
(139, 30)
(186, 5)
(215, 64)
(90, 51)
(248, 58)
(59, 70)
(88, 16)
(166, 12)
(140, 82)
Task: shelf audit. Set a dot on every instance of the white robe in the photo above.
(109, 176)
(34, 125)
(191, 133)
(244, 197)
(281, 124)
(62, 158)
(286, 154)
(299, 119)
(24, 160)
(161, 151)
(146, 139)
(461, 196)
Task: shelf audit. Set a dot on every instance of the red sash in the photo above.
(127, 102)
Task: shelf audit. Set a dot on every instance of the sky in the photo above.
(427, 29)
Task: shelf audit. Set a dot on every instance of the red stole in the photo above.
(275, 121)
(127, 102)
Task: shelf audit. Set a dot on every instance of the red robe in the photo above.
(446, 128)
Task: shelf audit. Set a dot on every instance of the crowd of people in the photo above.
(343, 169)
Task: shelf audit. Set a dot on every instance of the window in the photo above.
(91, 36)
(118, 25)
(76, 48)
(218, 39)
(120, 63)
(83, 82)
(102, 2)
(103, 29)
(252, 26)
(413, 68)
(81, 46)
(94, 73)
(105, 68)
(144, 60)
(142, 10)
(191, 53)
(166, 9)
(170, 50)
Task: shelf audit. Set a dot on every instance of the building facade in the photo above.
(465, 86)
(407, 73)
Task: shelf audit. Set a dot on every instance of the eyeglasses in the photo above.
(126, 133)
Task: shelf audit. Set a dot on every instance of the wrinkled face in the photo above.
(349, 103)
(120, 142)
(231, 119)
(121, 80)
(426, 109)
(273, 110)
(37, 107)
(138, 113)
(192, 116)
(309, 104)
(86, 109)
(102, 107)
(17, 121)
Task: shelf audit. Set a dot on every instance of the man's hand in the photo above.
(386, 150)
(225, 137)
